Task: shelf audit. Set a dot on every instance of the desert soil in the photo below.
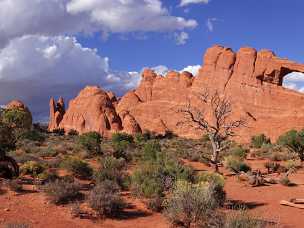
(33, 208)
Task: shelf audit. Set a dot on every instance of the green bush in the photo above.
(33, 135)
(292, 164)
(7, 139)
(111, 169)
(62, 191)
(91, 142)
(47, 152)
(78, 167)
(122, 145)
(32, 168)
(193, 205)
(236, 164)
(152, 177)
(152, 151)
(259, 140)
(239, 151)
(209, 177)
(105, 199)
(18, 119)
(118, 137)
(294, 141)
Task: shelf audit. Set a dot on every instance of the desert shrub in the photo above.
(91, 142)
(243, 220)
(209, 177)
(62, 191)
(193, 205)
(272, 167)
(111, 169)
(259, 140)
(156, 203)
(78, 167)
(239, 151)
(236, 164)
(284, 180)
(15, 186)
(33, 135)
(157, 171)
(294, 141)
(73, 132)
(122, 145)
(140, 138)
(118, 137)
(59, 132)
(7, 139)
(292, 164)
(47, 152)
(47, 176)
(19, 120)
(32, 168)
(151, 151)
(105, 199)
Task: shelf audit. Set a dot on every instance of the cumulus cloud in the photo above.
(188, 2)
(57, 17)
(181, 38)
(192, 69)
(294, 81)
(33, 68)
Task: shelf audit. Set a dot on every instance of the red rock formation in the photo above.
(91, 110)
(57, 111)
(252, 80)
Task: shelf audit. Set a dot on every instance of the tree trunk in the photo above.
(214, 160)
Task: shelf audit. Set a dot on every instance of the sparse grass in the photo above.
(243, 220)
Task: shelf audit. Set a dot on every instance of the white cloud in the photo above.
(33, 68)
(192, 69)
(294, 81)
(181, 38)
(188, 2)
(57, 17)
(294, 77)
(210, 24)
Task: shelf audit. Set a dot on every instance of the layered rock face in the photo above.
(251, 80)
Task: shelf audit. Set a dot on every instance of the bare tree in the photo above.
(217, 125)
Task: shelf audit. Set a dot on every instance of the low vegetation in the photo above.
(105, 199)
(62, 191)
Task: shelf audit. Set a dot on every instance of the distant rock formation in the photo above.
(91, 110)
(57, 111)
(19, 105)
(252, 80)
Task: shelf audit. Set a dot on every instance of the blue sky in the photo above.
(56, 47)
(271, 24)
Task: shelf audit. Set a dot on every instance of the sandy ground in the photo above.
(33, 208)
